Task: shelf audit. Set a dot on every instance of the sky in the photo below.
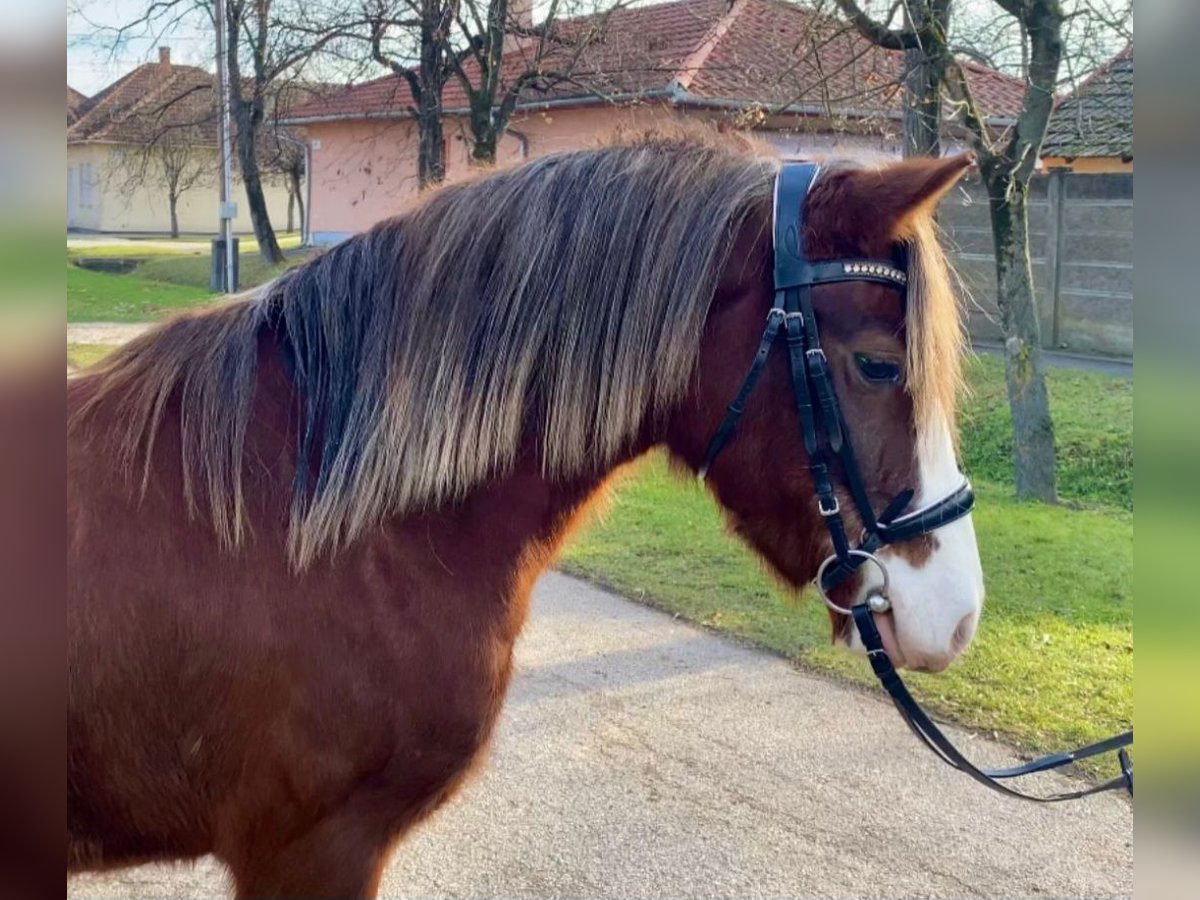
(93, 62)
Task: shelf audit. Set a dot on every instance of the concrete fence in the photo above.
(1081, 244)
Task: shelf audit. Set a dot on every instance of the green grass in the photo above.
(160, 285)
(1093, 425)
(80, 356)
(194, 271)
(101, 297)
(1052, 665)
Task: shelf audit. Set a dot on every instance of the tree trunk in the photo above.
(924, 74)
(173, 202)
(291, 220)
(256, 201)
(1033, 429)
(431, 154)
(431, 145)
(922, 105)
(484, 137)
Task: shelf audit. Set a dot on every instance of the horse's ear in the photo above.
(900, 194)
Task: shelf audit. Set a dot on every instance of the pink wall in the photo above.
(366, 170)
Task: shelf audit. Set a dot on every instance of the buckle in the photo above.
(816, 351)
(832, 511)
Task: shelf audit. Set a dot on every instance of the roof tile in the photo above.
(1097, 120)
(748, 52)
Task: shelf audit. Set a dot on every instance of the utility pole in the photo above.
(228, 208)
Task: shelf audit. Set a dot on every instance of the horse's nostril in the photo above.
(962, 634)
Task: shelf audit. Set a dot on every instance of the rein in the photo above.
(825, 435)
(925, 729)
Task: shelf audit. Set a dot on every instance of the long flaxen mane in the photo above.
(570, 292)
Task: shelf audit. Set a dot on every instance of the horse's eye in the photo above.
(877, 370)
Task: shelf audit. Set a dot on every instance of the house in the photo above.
(729, 62)
(75, 101)
(142, 155)
(1091, 130)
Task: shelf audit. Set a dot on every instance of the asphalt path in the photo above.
(1063, 359)
(639, 756)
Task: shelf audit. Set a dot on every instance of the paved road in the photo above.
(105, 332)
(1120, 368)
(639, 756)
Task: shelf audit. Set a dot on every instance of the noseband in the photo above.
(824, 433)
(822, 426)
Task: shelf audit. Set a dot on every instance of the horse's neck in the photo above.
(507, 528)
(485, 552)
(509, 524)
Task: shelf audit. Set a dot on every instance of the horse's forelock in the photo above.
(934, 326)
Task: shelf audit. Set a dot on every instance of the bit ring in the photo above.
(878, 601)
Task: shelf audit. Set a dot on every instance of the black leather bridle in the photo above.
(821, 424)
(824, 433)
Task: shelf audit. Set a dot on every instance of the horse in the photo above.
(304, 524)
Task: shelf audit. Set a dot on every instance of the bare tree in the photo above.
(182, 168)
(172, 162)
(292, 166)
(275, 38)
(283, 154)
(494, 51)
(1006, 163)
(398, 30)
(924, 74)
(548, 54)
(268, 42)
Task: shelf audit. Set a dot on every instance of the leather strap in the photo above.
(738, 406)
(925, 729)
(929, 518)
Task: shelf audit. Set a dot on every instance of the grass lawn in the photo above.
(1052, 665)
(194, 271)
(1093, 423)
(160, 285)
(80, 356)
(101, 297)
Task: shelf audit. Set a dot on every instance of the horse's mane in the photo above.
(570, 292)
(575, 287)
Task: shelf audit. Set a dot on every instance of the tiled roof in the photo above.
(152, 100)
(998, 96)
(1097, 120)
(697, 52)
(75, 102)
(163, 98)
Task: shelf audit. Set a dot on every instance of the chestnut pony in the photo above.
(304, 525)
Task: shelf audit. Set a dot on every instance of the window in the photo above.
(87, 184)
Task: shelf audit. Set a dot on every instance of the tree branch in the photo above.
(878, 32)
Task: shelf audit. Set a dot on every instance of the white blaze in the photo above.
(935, 606)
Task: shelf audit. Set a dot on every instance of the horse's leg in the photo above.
(342, 856)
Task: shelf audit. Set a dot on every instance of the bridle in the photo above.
(821, 424)
(823, 430)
